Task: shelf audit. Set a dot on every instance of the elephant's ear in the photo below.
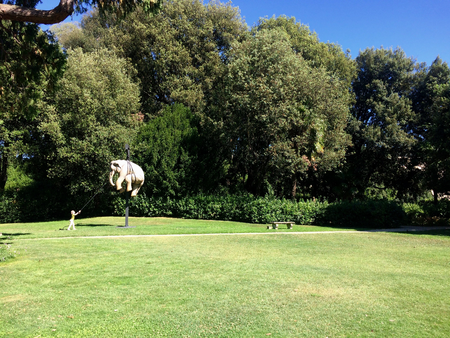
(117, 165)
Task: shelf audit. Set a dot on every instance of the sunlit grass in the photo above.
(314, 285)
(113, 226)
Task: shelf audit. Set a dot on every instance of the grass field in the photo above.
(112, 226)
(298, 285)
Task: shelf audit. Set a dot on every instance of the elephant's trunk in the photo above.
(111, 174)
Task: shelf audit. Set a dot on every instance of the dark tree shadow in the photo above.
(93, 225)
(9, 236)
(445, 232)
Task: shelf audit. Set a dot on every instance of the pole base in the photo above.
(125, 227)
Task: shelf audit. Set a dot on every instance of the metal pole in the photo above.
(127, 209)
(127, 194)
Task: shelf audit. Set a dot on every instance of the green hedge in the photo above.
(9, 208)
(263, 210)
(363, 214)
(23, 206)
(241, 208)
(428, 213)
(39, 203)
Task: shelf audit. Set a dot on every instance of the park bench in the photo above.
(275, 225)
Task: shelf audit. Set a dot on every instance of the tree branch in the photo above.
(24, 14)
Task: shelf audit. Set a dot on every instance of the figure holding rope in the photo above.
(72, 220)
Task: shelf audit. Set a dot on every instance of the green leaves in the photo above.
(167, 149)
(282, 114)
(91, 119)
(384, 116)
(30, 64)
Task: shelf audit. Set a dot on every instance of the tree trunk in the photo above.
(3, 171)
(435, 197)
(294, 188)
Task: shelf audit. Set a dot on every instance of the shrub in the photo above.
(9, 207)
(363, 214)
(241, 208)
(428, 213)
(414, 213)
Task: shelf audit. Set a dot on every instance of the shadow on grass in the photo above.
(94, 225)
(10, 236)
(432, 232)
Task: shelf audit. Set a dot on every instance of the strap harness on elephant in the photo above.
(131, 172)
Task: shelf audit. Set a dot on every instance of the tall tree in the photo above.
(30, 65)
(383, 120)
(431, 100)
(89, 120)
(279, 114)
(167, 148)
(178, 53)
(317, 54)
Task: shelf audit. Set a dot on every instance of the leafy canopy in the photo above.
(90, 119)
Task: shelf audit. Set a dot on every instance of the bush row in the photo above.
(246, 208)
(16, 207)
(364, 214)
(241, 208)
(428, 213)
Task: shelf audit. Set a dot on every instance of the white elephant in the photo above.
(128, 171)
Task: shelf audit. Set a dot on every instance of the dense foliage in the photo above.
(88, 121)
(30, 64)
(280, 115)
(167, 148)
(247, 208)
(220, 117)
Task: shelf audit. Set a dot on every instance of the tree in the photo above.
(382, 155)
(179, 53)
(167, 148)
(431, 100)
(280, 116)
(317, 54)
(24, 11)
(89, 120)
(30, 65)
(306, 43)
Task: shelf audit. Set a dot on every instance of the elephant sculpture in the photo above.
(129, 172)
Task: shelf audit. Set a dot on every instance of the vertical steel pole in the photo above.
(127, 193)
(127, 209)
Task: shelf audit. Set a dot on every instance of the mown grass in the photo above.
(112, 226)
(314, 285)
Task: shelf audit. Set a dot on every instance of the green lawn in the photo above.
(111, 226)
(297, 285)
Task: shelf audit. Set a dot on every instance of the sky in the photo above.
(420, 27)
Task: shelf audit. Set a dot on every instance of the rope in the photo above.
(93, 196)
(130, 170)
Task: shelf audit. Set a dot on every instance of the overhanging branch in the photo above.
(24, 14)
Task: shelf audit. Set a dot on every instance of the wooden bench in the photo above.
(275, 225)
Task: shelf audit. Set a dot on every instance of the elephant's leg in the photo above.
(119, 184)
(136, 187)
(129, 180)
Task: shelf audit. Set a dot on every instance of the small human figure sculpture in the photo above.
(72, 220)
